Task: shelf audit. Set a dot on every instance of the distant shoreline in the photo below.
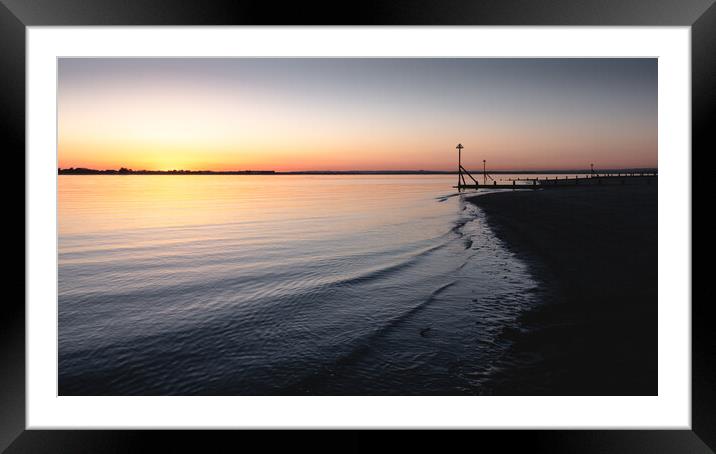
(123, 171)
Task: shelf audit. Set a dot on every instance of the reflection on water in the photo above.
(279, 285)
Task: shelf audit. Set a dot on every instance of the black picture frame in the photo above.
(16, 15)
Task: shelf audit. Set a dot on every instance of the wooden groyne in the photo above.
(592, 178)
(566, 182)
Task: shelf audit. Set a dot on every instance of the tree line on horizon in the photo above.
(126, 171)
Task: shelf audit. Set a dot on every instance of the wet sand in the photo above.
(594, 249)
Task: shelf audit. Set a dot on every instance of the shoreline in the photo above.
(594, 251)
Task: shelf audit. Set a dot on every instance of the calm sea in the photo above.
(227, 285)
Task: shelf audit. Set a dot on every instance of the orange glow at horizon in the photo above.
(112, 116)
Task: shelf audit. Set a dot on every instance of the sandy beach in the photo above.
(594, 249)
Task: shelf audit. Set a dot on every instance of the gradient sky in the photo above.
(356, 114)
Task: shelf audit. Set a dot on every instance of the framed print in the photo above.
(417, 216)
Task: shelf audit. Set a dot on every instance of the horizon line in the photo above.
(384, 171)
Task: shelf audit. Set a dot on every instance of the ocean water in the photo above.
(262, 285)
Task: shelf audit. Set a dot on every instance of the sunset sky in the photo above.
(356, 114)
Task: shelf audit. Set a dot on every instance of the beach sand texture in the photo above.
(595, 251)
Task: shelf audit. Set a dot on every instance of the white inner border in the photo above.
(670, 409)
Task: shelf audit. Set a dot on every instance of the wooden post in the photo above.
(459, 166)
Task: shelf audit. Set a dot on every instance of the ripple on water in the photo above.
(406, 298)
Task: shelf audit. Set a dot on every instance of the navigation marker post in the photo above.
(459, 166)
